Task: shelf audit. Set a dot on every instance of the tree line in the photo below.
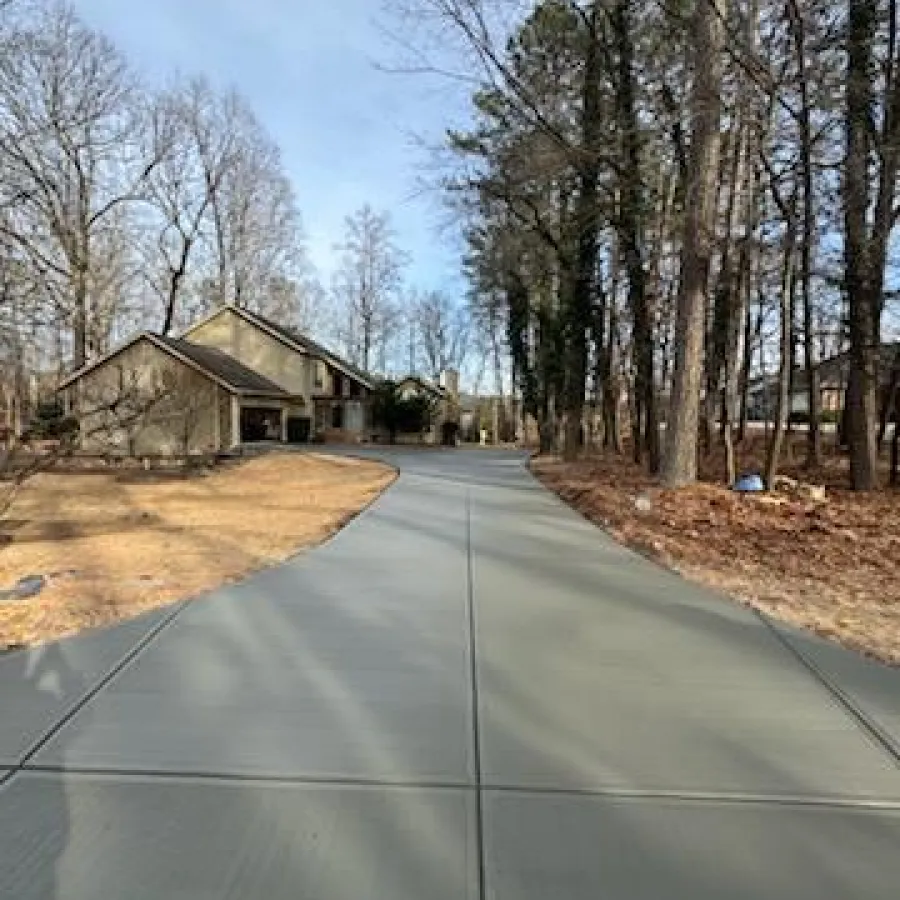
(675, 200)
(125, 207)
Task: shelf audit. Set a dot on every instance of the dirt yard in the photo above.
(111, 545)
(830, 564)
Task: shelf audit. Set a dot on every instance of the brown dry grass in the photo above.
(832, 567)
(116, 544)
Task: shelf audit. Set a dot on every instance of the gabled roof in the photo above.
(226, 371)
(226, 368)
(293, 339)
(437, 389)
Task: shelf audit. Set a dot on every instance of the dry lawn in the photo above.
(112, 545)
(832, 566)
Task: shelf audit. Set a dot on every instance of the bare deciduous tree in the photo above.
(366, 284)
(71, 115)
(193, 134)
(441, 331)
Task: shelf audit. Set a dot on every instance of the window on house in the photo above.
(337, 417)
(319, 375)
(338, 385)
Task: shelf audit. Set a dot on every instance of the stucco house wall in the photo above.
(324, 392)
(263, 353)
(143, 401)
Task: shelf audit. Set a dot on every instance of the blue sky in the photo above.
(349, 132)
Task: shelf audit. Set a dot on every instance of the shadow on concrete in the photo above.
(291, 623)
(38, 676)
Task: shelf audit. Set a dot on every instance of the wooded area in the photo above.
(675, 207)
(678, 218)
(126, 207)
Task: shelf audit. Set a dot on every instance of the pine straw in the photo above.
(832, 567)
(113, 545)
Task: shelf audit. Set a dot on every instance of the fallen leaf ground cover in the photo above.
(831, 565)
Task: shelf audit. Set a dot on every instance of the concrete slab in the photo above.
(38, 686)
(583, 848)
(612, 673)
(346, 673)
(85, 838)
(416, 517)
(872, 687)
(352, 662)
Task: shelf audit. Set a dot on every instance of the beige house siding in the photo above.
(259, 351)
(311, 379)
(321, 379)
(224, 413)
(162, 406)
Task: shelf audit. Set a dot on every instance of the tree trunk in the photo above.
(784, 366)
(814, 399)
(725, 291)
(752, 332)
(680, 461)
(518, 323)
(740, 219)
(664, 289)
(749, 277)
(895, 456)
(612, 430)
(80, 320)
(737, 338)
(631, 214)
(602, 354)
(586, 219)
(730, 459)
(176, 277)
(861, 276)
(792, 375)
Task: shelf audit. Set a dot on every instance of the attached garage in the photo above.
(175, 398)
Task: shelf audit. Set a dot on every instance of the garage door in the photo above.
(259, 423)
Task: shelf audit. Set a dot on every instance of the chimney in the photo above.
(450, 381)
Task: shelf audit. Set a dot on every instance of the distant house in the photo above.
(231, 379)
(412, 386)
(446, 402)
(762, 393)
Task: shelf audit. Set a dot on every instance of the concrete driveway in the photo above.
(469, 693)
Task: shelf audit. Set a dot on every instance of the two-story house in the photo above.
(233, 378)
